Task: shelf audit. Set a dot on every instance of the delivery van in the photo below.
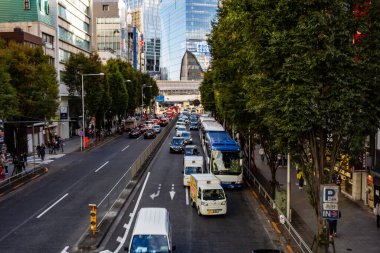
(192, 165)
(152, 232)
(207, 195)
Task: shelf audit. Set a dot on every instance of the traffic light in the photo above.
(93, 224)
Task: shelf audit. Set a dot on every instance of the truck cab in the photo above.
(207, 195)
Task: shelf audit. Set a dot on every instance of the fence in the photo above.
(7, 183)
(271, 203)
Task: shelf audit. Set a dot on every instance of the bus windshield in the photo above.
(226, 163)
(149, 244)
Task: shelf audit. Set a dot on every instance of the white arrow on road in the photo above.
(172, 192)
(155, 195)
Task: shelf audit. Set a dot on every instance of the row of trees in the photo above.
(29, 91)
(115, 95)
(289, 73)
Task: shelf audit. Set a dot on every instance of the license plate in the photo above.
(213, 211)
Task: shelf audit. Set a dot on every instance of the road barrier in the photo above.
(8, 183)
(271, 203)
(109, 207)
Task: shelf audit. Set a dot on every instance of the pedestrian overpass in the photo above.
(178, 92)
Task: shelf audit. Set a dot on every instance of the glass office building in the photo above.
(185, 54)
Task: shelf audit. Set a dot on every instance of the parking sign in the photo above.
(330, 198)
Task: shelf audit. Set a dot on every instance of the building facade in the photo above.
(64, 27)
(185, 54)
(109, 29)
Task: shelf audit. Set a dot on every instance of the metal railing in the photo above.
(30, 172)
(286, 225)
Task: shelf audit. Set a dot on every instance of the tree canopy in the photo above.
(293, 65)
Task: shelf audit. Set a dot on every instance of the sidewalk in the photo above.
(356, 232)
(71, 145)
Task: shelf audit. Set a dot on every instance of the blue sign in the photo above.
(330, 198)
(160, 99)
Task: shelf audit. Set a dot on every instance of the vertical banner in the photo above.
(123, 38)
(135, 47)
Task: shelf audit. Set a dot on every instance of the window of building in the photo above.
(48, 39)
(106, 7)
(27, 4)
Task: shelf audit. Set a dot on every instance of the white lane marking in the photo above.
(125, 148)
(64, 196)
(154, 195)
(187, 196)
(140, 137)
(172, 192)
(128, 226)
(65, 250)
(101, 166)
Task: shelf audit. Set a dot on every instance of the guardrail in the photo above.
(108, 206)
(19, 177)
(270, 202)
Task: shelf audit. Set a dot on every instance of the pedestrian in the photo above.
(61, 144)
(262, 154)
(377, 213)
(42, 151)
(301, 182)
(25, 159)
(333, 225)
(38, 148)
(4, 162)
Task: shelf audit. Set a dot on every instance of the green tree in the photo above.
(95, 95)
(118, 90)
(8, 95)
(34, 80)
(308, 86)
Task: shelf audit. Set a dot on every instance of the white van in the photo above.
(152, 232)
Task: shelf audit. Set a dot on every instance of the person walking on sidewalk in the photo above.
(377, 213)
(300, 178)
(42, 151)
(333, 225)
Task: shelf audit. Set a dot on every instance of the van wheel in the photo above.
(192, 203)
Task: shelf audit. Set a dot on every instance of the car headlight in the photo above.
(224, 203)
(203, 203)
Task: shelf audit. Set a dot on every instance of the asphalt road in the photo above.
(51, 213)
(240, 230)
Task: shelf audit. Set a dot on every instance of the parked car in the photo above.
(157, 129)
(191, 150)
(177, 145)
(134, 133)
(149, 134)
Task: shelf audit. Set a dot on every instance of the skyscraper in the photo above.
(151, 33)
(185, 24)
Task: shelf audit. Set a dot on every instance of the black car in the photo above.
(149, 134)
(191, 150)
(177, 145)
(134, 133)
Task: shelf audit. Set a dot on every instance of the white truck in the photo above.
(192, 164)
(207, 195)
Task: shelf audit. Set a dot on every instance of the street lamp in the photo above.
(82, 135)
(142, 96)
